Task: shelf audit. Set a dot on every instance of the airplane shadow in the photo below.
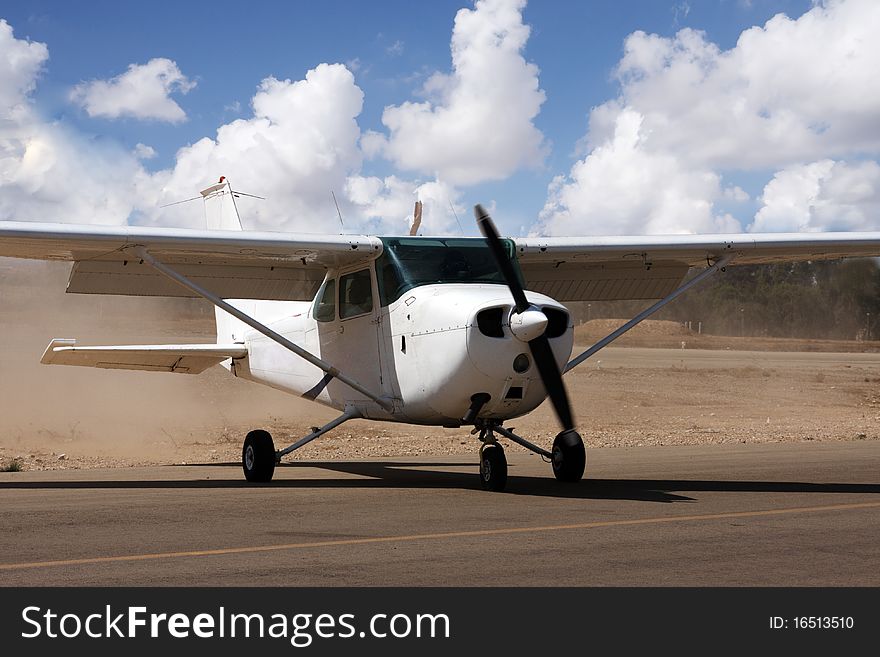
(403, 474)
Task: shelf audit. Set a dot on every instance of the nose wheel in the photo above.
(493, 467)
(569, 458)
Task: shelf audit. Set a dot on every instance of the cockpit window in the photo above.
(325, 305)
(408, 262)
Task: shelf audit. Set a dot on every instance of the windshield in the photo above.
(408, 262)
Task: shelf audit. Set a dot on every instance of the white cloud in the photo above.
(625, 189)
(142, 92)
(680, 11)
(48, 173)
(144, 152)
(793, 91)
(387, 204)
(20, 63)
(477, 122)
(300, 142)
(821, 196)
(736, 194)
(793, 96)
(790, 91)
(395, 49)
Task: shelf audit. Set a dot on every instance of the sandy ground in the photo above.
(708, 390)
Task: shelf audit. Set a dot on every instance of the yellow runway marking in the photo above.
(438, 536)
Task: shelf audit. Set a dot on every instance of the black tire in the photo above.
(258, 456)
(569, 456)
(493, 467)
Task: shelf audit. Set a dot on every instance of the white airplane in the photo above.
(437, 331)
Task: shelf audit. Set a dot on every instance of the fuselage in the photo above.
(426, 325)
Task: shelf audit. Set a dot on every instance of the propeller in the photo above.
(525, 323)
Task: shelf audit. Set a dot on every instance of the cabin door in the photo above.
(351, 341)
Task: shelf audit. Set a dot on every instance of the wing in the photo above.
(181, 359)
(650, 267)
(232, 264)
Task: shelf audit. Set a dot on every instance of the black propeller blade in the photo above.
(552, 378)
(540, 346)
(500, 254)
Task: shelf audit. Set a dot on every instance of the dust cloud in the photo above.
(112, 413)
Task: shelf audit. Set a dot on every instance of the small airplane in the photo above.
(436, 331)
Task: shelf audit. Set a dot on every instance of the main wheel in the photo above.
(258, 456)
(493, 467)
(569, 457)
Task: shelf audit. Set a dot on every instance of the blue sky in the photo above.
(223, 50)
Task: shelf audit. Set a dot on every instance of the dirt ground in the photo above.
(692, 389)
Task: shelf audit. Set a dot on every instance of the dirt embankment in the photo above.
(674, 335)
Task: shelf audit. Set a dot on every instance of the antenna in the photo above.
(455, 214)
(337, 210)
(237, 193)
(187, 200)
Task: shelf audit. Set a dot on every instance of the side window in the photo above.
(325, 308)
(355, 294)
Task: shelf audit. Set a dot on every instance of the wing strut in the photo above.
(317, 432)
(145, 255)
(721, 263)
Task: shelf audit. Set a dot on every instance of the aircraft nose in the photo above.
(529, 324)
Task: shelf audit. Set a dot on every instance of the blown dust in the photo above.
(693, 389)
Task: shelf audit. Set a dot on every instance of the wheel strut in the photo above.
(568, 457)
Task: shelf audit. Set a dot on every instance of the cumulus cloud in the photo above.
(387, 204)
(791, 92)
(821, 196)
(300, 141)
(624, 188)
(48, 173)
(144, 152)
(795, 96)
(300, 144)
(476, 123)
(142, 92)
(20, 63)
(735, 193)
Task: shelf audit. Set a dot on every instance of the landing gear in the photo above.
(493, 467)
(568, 457)
(258, 456)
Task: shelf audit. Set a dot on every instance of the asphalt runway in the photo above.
(803, 514)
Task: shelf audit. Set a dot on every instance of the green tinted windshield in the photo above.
(408, 262)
